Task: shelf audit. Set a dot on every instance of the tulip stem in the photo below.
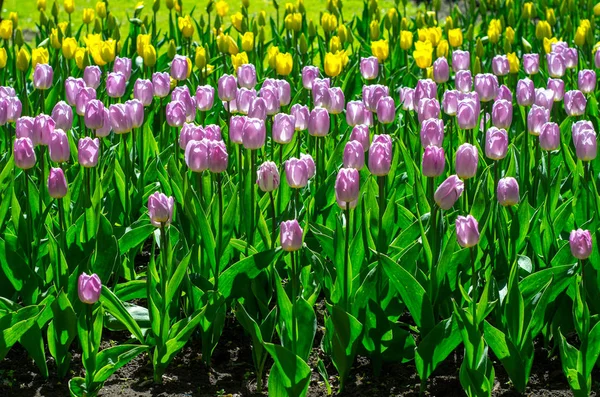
(273, 220)
(252, 192)
(29, 218)
(219, 230)
(63, 239)
(294, 279)
(473, 280)
(380, 236)
(126, 170)
(346, 256)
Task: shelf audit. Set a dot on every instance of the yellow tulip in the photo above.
(442, 49)
(232, 46)
(55, 39)
(88, 15)
(3, 58)
(101, 9)
(548, 44)
(14, 17)
(406, 40)
(109, 50)
(95, 51)
(494, 31)
(580, 36)
(597, 10)
(284, 63)
(142, 41)
(509, 33)
(289, 8)
(81, 57)
(328, 22)
(380, 49)
(39, 55)
(272, 53)
(423, 54)
(335, 44)
(528, 10)
(149, 56)
(343, 34)
(455, 37)
(550, 17)
(248, 41)
(69, 46)
(23, 59)
(63, 26)
(222, 8)
(69, 6)
(200, 57)
(41, 5)
(514, 63)
(236, 21)
(239, 60)
(189, 69)
(333, 64)
(542, 30)
(6, 29)
(374, 29)
(293, 21)
(186, 26)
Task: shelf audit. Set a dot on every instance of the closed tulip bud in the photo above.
(57, 184)
(42, 77)
(160, 209)
(580, 242)
(197, 154)
(500, 65)
(369, 68)
(290, 236)
(380, 158)
(161, 84)
(536, 118)
(62, 114)
(258, 109)
(135, 109)
(179, 68)
(91, 76)
(386, 110)
(544, 98)
(570, 55)
(310, 164)
(525, 92)
(217, 157)
(550, 136)
(408, 99)
(43, 126)
(448, 192)
(318, 122)
(59, 149)
(355, 111)
(301, 115)
(283, 128)
(556, 65)
(586, 81)
(296, 173)
(176, 113)
(3, 57)
(23, 125)
(143, 91)
(575, 103)
(428, 109)
(508, 191)
(89, 288)
(87, 152)
(347, 185)
(267, 176)
(496, 143)
(372, 94)
(531, 63)
(227, 87)
(94, 113)
(463, 81)
(246, 76)
(24, 155)
(406, 40)
(441, 71)
(321, 93)
(467, 231)
(360, 133)
(486, 86)
(13, 109)
(467, 114)
(23, 59)
(502, 113)
(270, 95)
(354, 155)
(336, 101)
(115, 84)
(450, 102)
(432, 132)
(461, 60)
(254, 133)
(123, 65)
(585, 141)
(433, 162)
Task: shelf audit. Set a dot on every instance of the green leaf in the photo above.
(114, 306)
(14, 325)
(134, 237)
(61, 332)
(173, 283)
(77, 387)
(294, 372)
(436, 346)
(110, 360)
(244, 270)
(346, 331)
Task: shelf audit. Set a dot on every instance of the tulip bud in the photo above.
(581, 243)
(24, 155)
(354, 155)
(496, 143)
(433, 162)
(296, 173)
(160, 209)
(57, 184)
(267, 176)
(347, 185)
(467, 159)
(380, 157)
(550, 136)
(89, 287)
(290, 235)
(448, 192)
(467, 231)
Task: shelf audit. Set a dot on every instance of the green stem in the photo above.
(219, 231)
(273, 221)
(346, 256)
(294, 279)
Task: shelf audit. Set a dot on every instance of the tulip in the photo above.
(318, 122)
(467, 158)
(121, 118)
(433, 162)
(89, 288)
(94, 112)
(160, 209)
(227, 88)
(43, 126)
(461, 60)
(467, 231)
(285, 92)
(504, 93)
(176, 115)
(580, 242)
(24, 129)
(320, 93)
(508, 191)
(301, 115)
(143, 91)
(544, 98)
(115, 84)
(161, 83)
(296, 173)
(182, 94)
(258, 109)
(372, 94)
(355, 113)
(525, 92)
(87, 152)
(91, 76)
(425, 88)
(486, 86)
(197, 155)
(531, 63)
(62, 114)
(271, 97)
(267, 176)
(354, 155)
(380, 158)
(57, 184)
(408, 99)
(190, 132)
(179, 68)
(336, 100)
(42, 77)
(24, 155)
(135, 110)
(550, 136)
(575, 103)
(369, 68)
(347, 185)
(246, 75)
(586, 81)
(254, 133)
(579, 126)
(556, 65)
(217, 157)
(571, 57)
(448, 192)
(557, 86)
(432, 132)
(463, 80)
(236, 128)
(536, 118)
(123, 65)
(7, 92)
(450, 102)
(585, 144)
(386, 110)
(441, 70)
(290, 235)
(205, 96)
(213, 132)
(244, 99)
(360, 133)
(500, 65)
(106, 124)
(59, 149)
(283, 128)
(72, 88)
(597, 59)
(467, 114)
(428, 109)
(84, 96)
(502, 113)
(496, 143)
(309, 74)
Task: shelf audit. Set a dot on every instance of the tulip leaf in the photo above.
(114, 306)
(110, 360)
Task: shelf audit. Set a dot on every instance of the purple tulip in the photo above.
(246, 75)
(6, 91)
(161, 83)
(190, 132)
(433, 162)
(271, 97)
(196, 155)
(428, 109)
(43, 126)
(258, 109)
(135, 109)
(59, 149)
(461, 60)
(205, 95)
(115, 84)
(504, 93)
(123, 65)
(585, 144)
(283, 128)
(227, 88)
(467, 159)
(301, 115)
(557, 86)
(441, 70)
(296, 173)
(285, 92)
(244, 99)
(354, 155)
(525, 92)
(386, 110)
(254, 133)
(24, 155)
(432, 132)
(450, 102)
(89, 288)
(486, 86)
(496, 143)
(217, 157)
(500, 65)
(536, 118)
(508, 191)
(467, 114)
(213, 132)
(120, 118)
(581, 243)
(336, 100)
(62, 114)
(425, 88)
(179, 68)
(143, 91)
(182, 94)
(106, 124)
(94, 113)
(360, 133)
(579, 126)
(42, 77)
(72, 88)
(176, 115)
(575, 103)
(467, 231)
(290, 235)
(463, 80)
(571, 57)
(586, 81)
(408, 98)
(448, 192)
(550, 136)
(3, 111)
(87, 152)
(318, 122)
(24, 129)
(502, 113)
(309, 74)
(597, 59)
(84, 96)
(267, 176)
(347, 185)
(556, 65)
(310, 164)
(544, 98)
(369, 68)
(92, 75)
(236, 128)
(380, 158)
(160, 209)
(57, 183)
(320, 93)
(531, 63)
(372, 94)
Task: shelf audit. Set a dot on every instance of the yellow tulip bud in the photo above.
(171, 49)
(23, 59)
(442, 49)
(335, 44)
(14, 18)
(514, 63)
(597, 10)
(69, 6)
(494, 31)
(82, 58)
(6, 29)
(548, 44)
(374, 29)
(333, 64)
(284, 63)
(141, 42)
(88, 15)
(222, 8)
(3, 57)
(39, 55)
(55, 40)
(455, 37)
(580, 36)
(246, 3)
(312, 29)
(543, 29)
(509, 33)
(155, 6)
(380, 49)
(303, 44)
(232, 47)
(423, 54)
(236, 21)
(200, 57)
(272, 53)
(239, 60)
(149, 55)
(108, 50)
(189, 69)
(41, 5)
(101, 9)
(69, 46)
(98, 26)
(406, 40)
(449, 22)
(528, 10)
(262, 18)
(550, 17)
(342, 32)
(248, 41)
(186, 26)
